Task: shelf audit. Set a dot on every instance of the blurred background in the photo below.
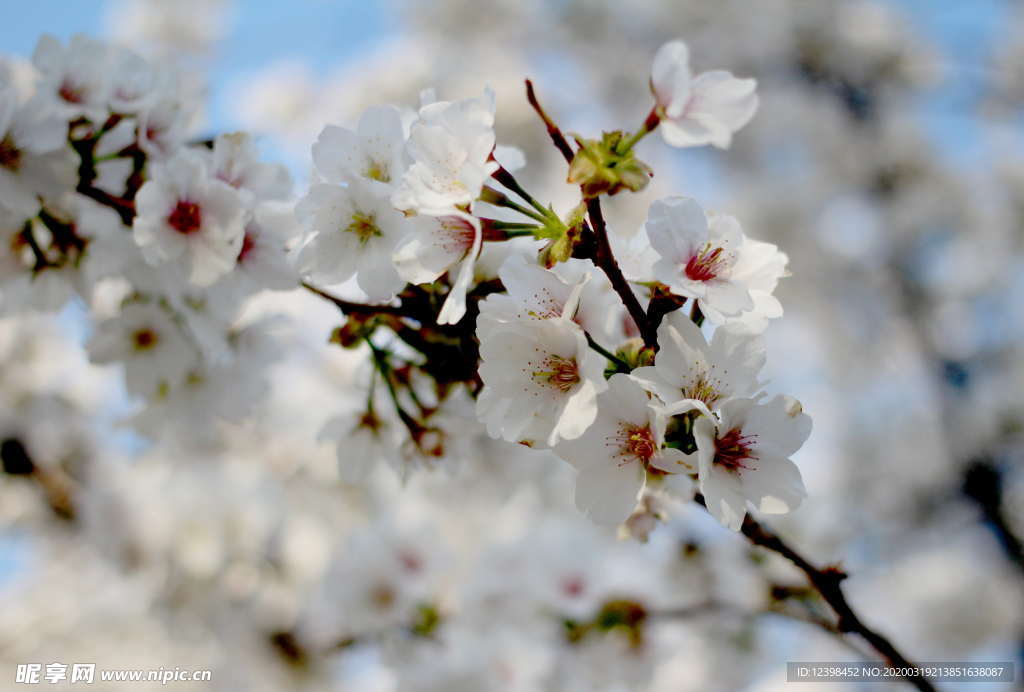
(886, 160)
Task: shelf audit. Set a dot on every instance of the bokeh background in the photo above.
(887, 160)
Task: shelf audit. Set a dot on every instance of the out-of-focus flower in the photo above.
(149, 342)
(186, 215)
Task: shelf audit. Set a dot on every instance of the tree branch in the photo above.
(826, 582)
(604, 259)
(553, 130)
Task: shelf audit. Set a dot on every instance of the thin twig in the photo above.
(351, 308)
(827, 582)
(555, 133)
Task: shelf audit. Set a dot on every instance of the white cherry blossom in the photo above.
(540, 381)
(74, 78)
(626, 437)
(235, 160)
(187, 216)
(689, 368)
(375, 151)
(744, 457)
(35, 160)
(450, 147)
(354, 231)
(708, 258)
(150, 344)
(706, 109)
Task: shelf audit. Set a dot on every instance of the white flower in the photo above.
(540, 381)
(374, 152)
(436, 245)
(612, 457)
(450, 147)
(163, 128)
(263, 261)
(744, 457)
(710, 260)
(707, 109)
(35, 160)
(361, 443)
(146, 339)
(688, 368)
(185, 215)
(135, 83)
(74, 78)
(354, 231)
(236, 162)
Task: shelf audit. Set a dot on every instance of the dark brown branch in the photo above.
(827, 582)
(553, 130)
(604, 259)
(352, 308)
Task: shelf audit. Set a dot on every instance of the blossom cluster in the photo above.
(474, 300)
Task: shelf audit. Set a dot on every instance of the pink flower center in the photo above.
(247, 247)
(706, 264)
(733, 449)
(10, 155)
(186, 217)
(70, 93)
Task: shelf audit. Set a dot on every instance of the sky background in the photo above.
(325, 34)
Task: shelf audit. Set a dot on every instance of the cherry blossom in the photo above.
(186, 215)
(450, 146)
(375, 151)
(353, 231)
(146, 338)
(744, 457)
(709, 259)
(540, 381)
(706, 109)
(690, 369)
(626, 437)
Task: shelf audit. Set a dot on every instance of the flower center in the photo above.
(186, 218)
(144, 339)
(635, 442)
(701, 389)
(733, 449)
(10, 155)
(706, 264)
(247, 247)
(70, 93)
(364, 226)
(378, 171)
(560, 373)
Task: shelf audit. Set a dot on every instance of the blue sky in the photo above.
(325, 33)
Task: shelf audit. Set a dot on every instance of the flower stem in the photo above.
(499, 199)
(620, 365)
(650, 124)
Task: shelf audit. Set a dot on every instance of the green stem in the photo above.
(509, 181)
(620, 365)
(650, 124)
(492, 196)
